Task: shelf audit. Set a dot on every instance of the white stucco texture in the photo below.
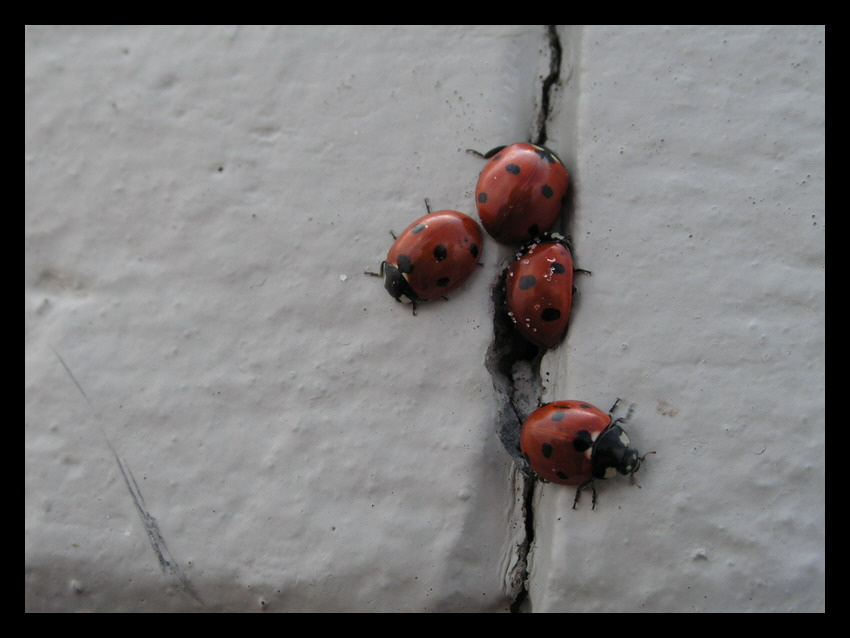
(224, 413)
(700, 187)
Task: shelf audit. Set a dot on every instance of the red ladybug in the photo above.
(574, 443)
(539, 290)
(520, 192)
(431, 257)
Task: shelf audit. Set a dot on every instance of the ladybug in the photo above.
(431, 257)
(520, 192)
(539, 289)
(575, 443)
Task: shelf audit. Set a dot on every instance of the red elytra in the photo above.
(520, 192)
(436, 253)
(539, 290)
(557, 440)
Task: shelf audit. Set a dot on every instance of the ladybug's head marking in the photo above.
(636, 467)
(613, 453)
(397, 285)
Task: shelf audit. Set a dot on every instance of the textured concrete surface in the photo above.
(223, 413)
(700, 187)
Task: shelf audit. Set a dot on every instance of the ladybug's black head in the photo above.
(630, 461)
(397, 285)
(612, 453)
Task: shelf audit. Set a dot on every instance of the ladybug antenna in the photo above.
(637, 467)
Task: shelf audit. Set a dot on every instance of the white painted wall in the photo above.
(200, 205)
(700, 187)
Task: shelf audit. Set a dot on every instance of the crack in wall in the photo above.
(514, 365)
(556, 53)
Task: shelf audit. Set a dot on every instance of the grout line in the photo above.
(514, 365)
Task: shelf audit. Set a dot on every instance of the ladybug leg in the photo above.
(413, 305)
(376, 274)
(428, 205)
(578, 495)
(486, 155)
(623, 419)
(581, 487)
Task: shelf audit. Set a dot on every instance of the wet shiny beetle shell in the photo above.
(520, 192)
(432, 256)
(539, 290)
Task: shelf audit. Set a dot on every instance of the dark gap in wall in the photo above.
(514, 364)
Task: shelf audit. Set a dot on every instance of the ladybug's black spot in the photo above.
(547, 191)
(547, 450)
(440, 252)
(550, 314)
(582, 441)
(587, 406)
(558, 268)
(526, 282)
(417, 229)
(474, 250)
(534, 230)
(545, 155)
(404, 264)
(562, 407)
(561, 475)
(513, 169)
(557, 416)
(442, 282)
(482, 198)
